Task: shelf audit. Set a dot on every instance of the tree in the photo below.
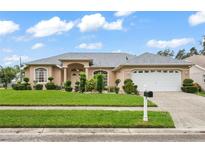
(202, 52)
(82, 82)
(193, 51)
(7, 74)
(181, 54)
(99, 83)
(166, 52)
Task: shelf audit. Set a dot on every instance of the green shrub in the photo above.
(117, 82)
(188, 82)
(28, 87)
(77, 86)
(67, 86)
(38, 87)
(26, 79)
(82, 82)
(90, 85)
(50, 86)
(58, 87)
(50, 78)
(189, 87)
(117, 89)
(99, 83)
(129, 87)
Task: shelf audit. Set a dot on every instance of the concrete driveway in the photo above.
(187, 110)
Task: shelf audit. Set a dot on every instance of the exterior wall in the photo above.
(57, 74)
(197, 74)
(111, 74)
(51, 71)
(125, 73)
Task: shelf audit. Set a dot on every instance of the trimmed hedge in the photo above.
(38, 87)
(189, 87)
(67, 86)
(50, 86)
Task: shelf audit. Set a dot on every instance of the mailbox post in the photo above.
(145, 116)
(146, 94)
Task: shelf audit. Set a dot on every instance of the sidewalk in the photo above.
(100, 135)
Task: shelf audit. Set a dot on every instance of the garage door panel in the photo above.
(158, 81)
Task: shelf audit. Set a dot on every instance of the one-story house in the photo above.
(150, 71)
(197, 71)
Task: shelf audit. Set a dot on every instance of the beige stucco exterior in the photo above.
(64, 72)
(197, 73)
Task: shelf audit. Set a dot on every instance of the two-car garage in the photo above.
(157, 80)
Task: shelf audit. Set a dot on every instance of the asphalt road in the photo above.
(199, 137)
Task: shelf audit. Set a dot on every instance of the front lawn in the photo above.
(60, 98)
(83, 118)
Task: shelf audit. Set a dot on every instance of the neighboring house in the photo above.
(197, 71)
(148, 70)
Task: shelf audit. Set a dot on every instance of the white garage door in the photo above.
(157, 80)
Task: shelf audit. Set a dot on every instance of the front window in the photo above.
(104, 74)
(41, 75)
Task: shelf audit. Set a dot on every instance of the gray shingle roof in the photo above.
(99, 59)
(153, 59)
(112, 59)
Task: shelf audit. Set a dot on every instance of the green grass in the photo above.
(201, 93)
(60, 98)
(83, 119)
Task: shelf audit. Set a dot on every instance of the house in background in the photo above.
(155, 72)
(197, 71)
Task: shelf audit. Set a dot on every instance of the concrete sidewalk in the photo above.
(76, 108)
(100, 135)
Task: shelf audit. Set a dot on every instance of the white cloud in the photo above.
(50, 27)
(7, 50)
(197, 18)
(95, 21)
(116, 25)
(7, 27)
(123, 13)
(15, 58)
(174, 43)
(37, 46)
(90, 46)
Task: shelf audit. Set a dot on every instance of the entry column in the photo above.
(65, 74)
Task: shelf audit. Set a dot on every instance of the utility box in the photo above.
(148, 94)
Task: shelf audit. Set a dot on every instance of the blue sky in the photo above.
(34, 35)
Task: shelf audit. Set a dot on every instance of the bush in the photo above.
(198, 86)
(188, 82)
(117, 82)
(26, 79)
(82, 82)
(90, 85)
(77, 86)
(189, 87)
(50, 86)
(129, 87)
(50, 78)
(21, 86)
(99, 83)
(117, 89)
(38, 87)
(67, 86)
(58, 87)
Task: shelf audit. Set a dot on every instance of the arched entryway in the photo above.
(73, 72)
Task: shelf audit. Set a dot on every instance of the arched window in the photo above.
(41, 75)
(104, 74)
